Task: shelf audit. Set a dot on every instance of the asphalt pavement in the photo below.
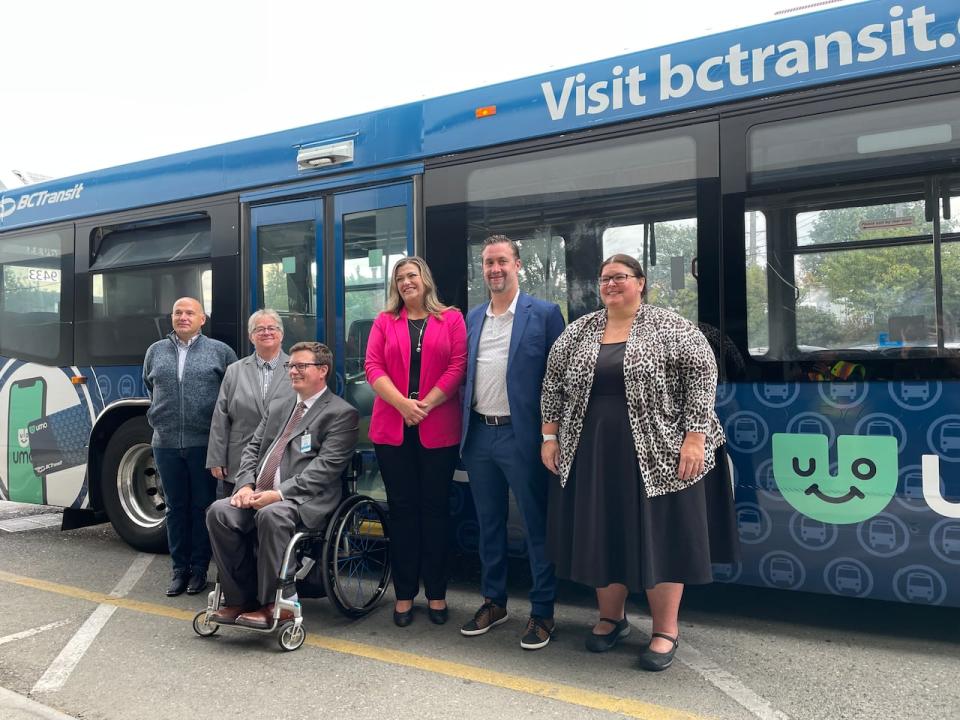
(86, 632)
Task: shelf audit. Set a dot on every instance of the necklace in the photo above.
(421, 327)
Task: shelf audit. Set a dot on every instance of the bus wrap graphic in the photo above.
(864, 483)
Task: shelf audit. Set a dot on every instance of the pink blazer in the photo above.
(443, 364)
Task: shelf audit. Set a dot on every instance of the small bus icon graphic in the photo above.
(781, 571)
(882, 533)
(920, 586)
(848, 578)
(915, 391)
(778, 390)
(950, 436)
(749, 522)
(845, 390)
(746, 431)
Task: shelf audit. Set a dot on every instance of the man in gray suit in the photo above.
(289, 477)
(249, 386)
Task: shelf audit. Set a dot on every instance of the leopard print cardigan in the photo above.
(671, 379)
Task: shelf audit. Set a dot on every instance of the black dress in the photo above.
(602, 528)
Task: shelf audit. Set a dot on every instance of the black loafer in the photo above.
(197, 584)
(657, 661)
(438, 617)
(178, 583)
(601, 643)
(402, 619)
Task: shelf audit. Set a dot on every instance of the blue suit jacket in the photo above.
(536, 326)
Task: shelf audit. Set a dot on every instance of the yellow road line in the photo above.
(530, 686)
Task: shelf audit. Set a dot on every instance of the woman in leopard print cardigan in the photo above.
(630, 427)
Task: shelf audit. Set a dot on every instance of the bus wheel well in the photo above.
(99, 439)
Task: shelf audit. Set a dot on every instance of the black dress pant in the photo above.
(418, 480)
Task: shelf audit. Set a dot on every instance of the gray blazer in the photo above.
(239, 410)
(310, 476)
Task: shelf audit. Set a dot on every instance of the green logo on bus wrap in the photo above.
(865, 482)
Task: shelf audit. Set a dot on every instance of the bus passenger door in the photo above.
(373, 228)
(285, 239)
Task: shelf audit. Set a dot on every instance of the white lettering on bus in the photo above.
(744, 66)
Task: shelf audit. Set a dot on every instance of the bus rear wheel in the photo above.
(131, 490)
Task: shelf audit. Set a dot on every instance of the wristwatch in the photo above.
(549, 436)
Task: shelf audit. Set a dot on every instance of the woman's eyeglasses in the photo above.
(618, 279)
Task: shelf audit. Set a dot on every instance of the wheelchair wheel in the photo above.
(202, 627)
(291, 636)
(356, 556)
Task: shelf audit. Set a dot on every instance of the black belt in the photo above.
(493, 419)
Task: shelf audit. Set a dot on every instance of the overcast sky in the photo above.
(102, 82)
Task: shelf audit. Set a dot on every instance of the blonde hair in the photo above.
(431, 303)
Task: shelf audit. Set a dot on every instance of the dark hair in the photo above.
(632, 263)
(497, 239)
(321, 353)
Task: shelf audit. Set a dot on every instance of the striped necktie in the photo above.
(265, 481)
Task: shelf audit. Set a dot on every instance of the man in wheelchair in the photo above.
(289, 479)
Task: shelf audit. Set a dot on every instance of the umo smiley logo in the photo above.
(865, 482)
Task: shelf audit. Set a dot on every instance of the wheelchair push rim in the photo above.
(357, 556)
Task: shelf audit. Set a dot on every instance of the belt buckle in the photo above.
(492, 420)
(415, 395)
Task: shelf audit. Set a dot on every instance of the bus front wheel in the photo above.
(131, 490)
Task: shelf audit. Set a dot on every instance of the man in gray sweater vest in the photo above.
(183, 373)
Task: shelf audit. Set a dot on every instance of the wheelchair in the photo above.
(351, 557)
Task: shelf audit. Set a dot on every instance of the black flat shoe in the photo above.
(601, 643)
(438, 617)
(657, 661)
(402, 619)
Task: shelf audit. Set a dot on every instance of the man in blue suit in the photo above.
(508, 340)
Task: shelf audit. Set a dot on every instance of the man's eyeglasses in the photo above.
(301, 367)
(618, 279)
(266, 329)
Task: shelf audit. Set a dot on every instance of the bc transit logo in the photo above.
(8, 206)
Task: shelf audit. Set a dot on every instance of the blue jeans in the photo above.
(495, 464)
(188, 489)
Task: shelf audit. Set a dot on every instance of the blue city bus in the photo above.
(794, 188)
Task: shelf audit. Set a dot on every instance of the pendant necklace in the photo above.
(421, 328)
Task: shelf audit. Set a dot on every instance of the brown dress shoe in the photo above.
(262, 618)
(227, 615)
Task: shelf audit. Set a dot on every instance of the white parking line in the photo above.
(723, 680)
(61, 667)
(32, 631)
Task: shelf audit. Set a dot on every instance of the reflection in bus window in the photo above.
(569, 208)
(30, 295)
(288, 277)
(373, 242)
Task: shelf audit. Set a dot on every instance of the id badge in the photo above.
(305, 444)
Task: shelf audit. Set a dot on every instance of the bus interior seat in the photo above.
(356, 346)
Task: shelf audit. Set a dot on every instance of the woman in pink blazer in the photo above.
(416, 362)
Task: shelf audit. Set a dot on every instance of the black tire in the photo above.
(356, 556)
(291, 636)
(131, 490)
(202, 626)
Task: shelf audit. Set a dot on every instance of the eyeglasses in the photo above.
(301, 367)
(618, 279)
(266, 329)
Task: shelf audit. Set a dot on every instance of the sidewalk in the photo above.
(17, 707)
